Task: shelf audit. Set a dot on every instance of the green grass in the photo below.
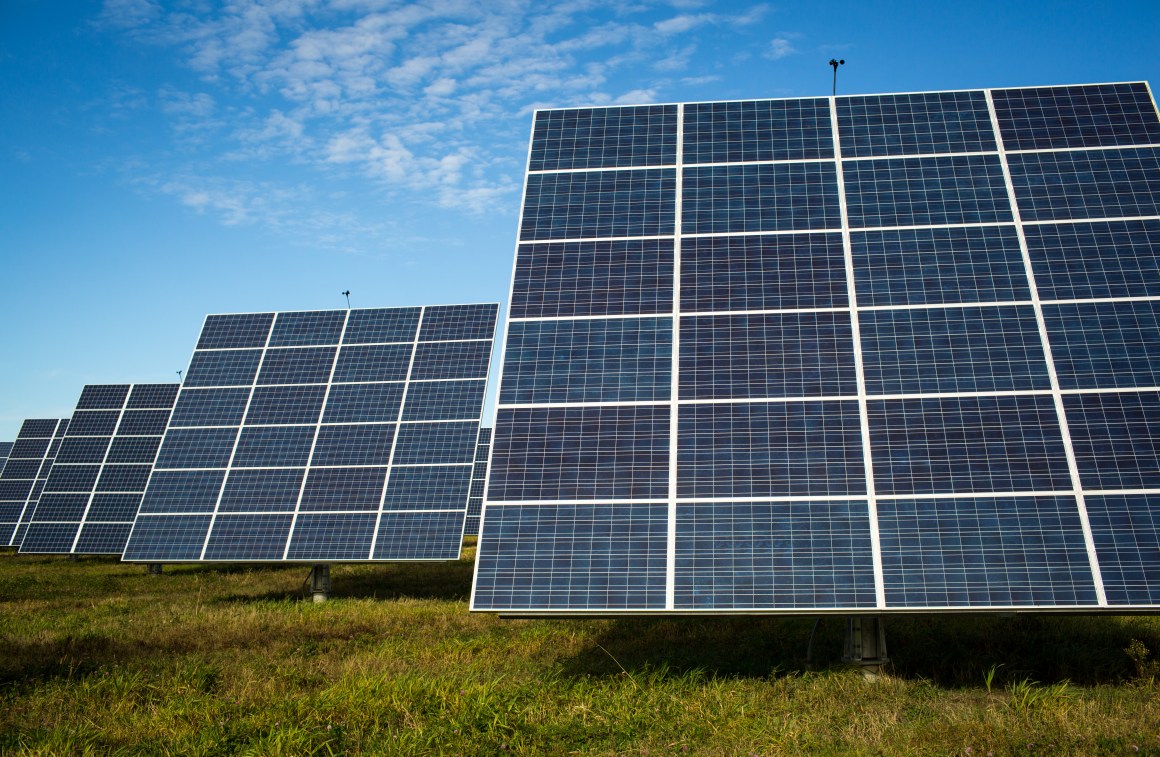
(97, 657)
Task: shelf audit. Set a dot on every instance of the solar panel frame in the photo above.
(977, 228)
(106, 475)
(265, 468)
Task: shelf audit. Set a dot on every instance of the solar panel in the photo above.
(98, 477)
(5, 448)
(478, 481)
(854, 354)
(321, 436)
(25, 472)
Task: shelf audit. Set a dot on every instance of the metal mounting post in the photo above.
(320, 582)
(866, 644)
(154, 568)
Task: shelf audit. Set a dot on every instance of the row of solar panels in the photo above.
(324, 435)
(871, 354)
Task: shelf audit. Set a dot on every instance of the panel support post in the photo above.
(73, 558)
(866, 644)
(320, 582)
(154, 568)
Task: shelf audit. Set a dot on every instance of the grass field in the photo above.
(96, 657)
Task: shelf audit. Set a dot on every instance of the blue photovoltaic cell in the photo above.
(345, 489)
(774, 355)
(307, 328)
(783, 555)
(248, 537)
(261, 490)
(369, 403)
(971, 349)
(939, 266)
(381, 325)
(1091, 260)
(984, 552)
(604, 360)
(967, 444)
(604, 138)
(1084, 116)
(295, 455)
(1126, 532)
(621, 277)
(210, 407)
(1055, 186)
(916, 354)
(770, 449)
(333, 536)
(770, 197)
(237, 330)
(1105, 345)
(757, 130)
(580, 453)
(166, 537)
(225, 368)
(134, 449)
(774, 272)
(634, 203)
(922, 191)
(426, 487)
(103, 538)
(419, 536)
(103, 397)
(443, 400)
(1116, 438)
(309, 365)
(598, 557)
(915, 124)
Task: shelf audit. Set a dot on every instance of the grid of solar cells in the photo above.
(99, 475)
(341, 435)
(889, 352)
(25, 472)
(478, 482)
(5, 448)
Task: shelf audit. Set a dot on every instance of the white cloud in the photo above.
(781, 46)
(683, 23)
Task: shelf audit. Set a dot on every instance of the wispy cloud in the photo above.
(425, 97)
(782, 46)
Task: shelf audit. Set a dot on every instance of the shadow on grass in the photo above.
(951, 651)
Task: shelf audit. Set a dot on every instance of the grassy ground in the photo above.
(96, 657)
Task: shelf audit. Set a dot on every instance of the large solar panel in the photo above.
(25, 472)
(854, 354)
(478, 481)
(339, 435)
(98, 477)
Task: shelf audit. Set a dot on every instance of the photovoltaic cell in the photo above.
(106, 455)
(908, 364)
(321, 435)
(478, 481)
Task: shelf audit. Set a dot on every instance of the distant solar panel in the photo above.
(25, 472)
(478, 481)
(98, 477)
(321, 436)
(875, 353)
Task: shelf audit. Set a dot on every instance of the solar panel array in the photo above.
(320, 436)
(895, 352)
(25, 472)
(478, 481)
(98, 477)
(5, 448)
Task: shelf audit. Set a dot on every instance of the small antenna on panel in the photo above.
(347, 295)
(835, 64)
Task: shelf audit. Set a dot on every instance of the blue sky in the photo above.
(162, 161)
